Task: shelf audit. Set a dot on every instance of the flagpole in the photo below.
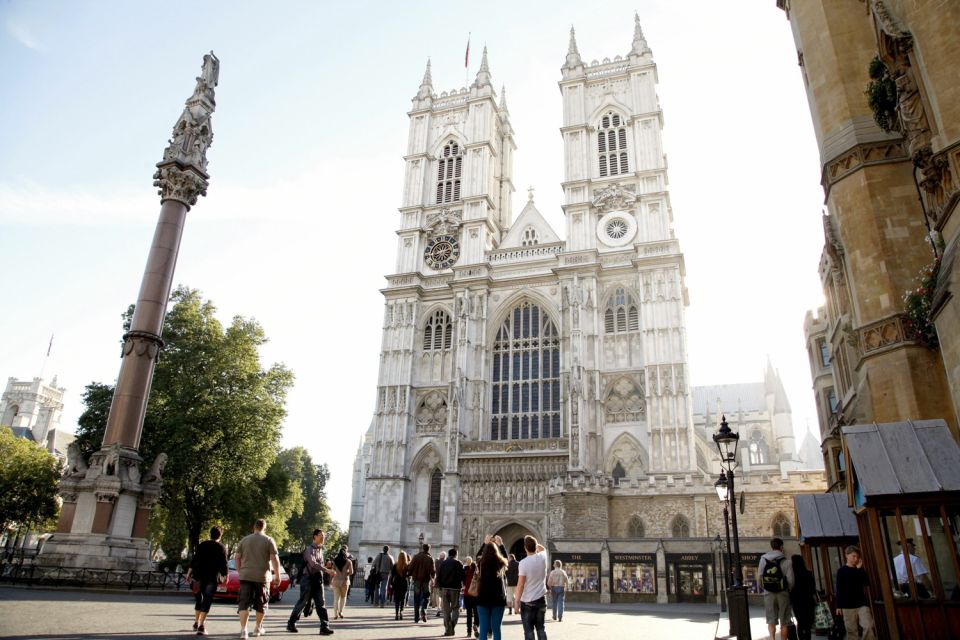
(43, 367)
(466, 63)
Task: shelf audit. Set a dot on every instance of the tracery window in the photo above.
(530, 237)
(759, 451)
(526, 376)
(435, 480)
(438, 332)
(449, 171)
(680, 528)
(781, 526)
(622, 313)
(612, 145)
(635, 527)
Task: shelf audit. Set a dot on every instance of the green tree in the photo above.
(216, 412)
(29, 477)
(93, 421)
(312, 479)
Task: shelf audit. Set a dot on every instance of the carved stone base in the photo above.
(96, 551)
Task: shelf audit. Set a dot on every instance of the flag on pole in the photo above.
(466, 58)
(50, 346)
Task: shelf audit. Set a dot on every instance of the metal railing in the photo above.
(24, 572)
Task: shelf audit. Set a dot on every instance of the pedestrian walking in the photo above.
(383, 565)
(450, 581)
(421, 572)
(557, 581)
(803, 597)
(398, 580)
(313, 571)
(256, 557)
(776, 578)
(513, 574)
(435, 588)
(852, 602)
(340, 580)
(532, 589)
(368, 582)
(469, 601)
(492, 598)
(208, 568)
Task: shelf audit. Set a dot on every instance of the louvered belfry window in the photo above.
(612, 146)
(622, 314)
(438, 332)
(449, 171)
(526, 376)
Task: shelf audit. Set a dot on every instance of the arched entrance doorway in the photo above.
(512, 535)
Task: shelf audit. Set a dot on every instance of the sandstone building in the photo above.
(533, 382)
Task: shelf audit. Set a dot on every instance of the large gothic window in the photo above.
(526, 376)
(759, 451)
(680, 527)
(622, 313)
(612, 145)
(435, 480)
(449, 170)
(781, 526)
(635, 527)
(438, 332)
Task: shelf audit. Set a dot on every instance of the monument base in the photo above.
(96, 551)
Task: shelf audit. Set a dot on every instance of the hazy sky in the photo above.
(306, 176)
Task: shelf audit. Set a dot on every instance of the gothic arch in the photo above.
(449, 134)
(624, 401)
(427, 459)
(428, 312)
(781, 526)
(629, 453)
(680, 527)
(610, 104)
(426, 497)
(635, 527)
(547, 305)
(512, 531)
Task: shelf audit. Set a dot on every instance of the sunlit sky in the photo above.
(306, 176)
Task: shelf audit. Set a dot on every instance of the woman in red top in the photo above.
(469, 602)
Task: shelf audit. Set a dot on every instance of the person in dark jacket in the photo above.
(398, 580)
(803, 597)
(492, 600)
(208, 567)
(513, 574)
(469, 602)
(852, 602)
(421, 570)
(450, 581)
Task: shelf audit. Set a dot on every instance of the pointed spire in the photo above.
(503, 99)
(483, 75)
(426, 85)
(639, 42)
(573, 54)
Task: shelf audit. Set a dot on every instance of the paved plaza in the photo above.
(69, 615)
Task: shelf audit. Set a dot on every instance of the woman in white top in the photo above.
(557, 581)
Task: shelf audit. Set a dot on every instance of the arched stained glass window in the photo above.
(526, 376)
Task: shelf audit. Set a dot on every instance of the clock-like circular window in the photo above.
(616, 229)
(441, 252)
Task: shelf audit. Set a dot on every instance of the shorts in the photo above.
(511, 592)
(252, 594)
(777, 607)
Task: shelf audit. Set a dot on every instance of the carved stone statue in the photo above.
(76, 465)
(614, 198)
(155, 474)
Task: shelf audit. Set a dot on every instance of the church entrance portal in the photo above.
(512, 536)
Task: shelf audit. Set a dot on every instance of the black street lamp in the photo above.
(727, 440)
(421, 540)
(723, 492)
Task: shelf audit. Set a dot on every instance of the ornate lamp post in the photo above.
(723, 492)
(421, 541)
(727, 440)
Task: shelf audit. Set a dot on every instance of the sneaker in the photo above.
(326, 632)
(424, 616)
(201, 631)
(292, 628)
(243, 634)
(259, 632)
(195, 625)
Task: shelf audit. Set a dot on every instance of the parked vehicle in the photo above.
(231, 589)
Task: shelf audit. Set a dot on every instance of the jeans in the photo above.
(204, 595)
(556, 601)
(382, 588)
(490, 620)
(470, 604)
(313, 592)
(531, 615)
(451, 609)
(421, 595)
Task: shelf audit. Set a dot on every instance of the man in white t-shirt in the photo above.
(921, 575)
(532, 589)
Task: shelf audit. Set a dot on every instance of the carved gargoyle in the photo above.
(155, 474)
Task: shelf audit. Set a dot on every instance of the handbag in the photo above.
(822, 616)
(838, 631)
(473, 589)
(792, 632)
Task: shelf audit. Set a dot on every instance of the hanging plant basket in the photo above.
(917, 303)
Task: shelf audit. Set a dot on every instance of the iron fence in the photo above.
(24, 571)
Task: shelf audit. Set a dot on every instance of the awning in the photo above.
(900, 458)
(825, 518)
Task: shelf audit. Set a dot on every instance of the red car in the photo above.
(231, 589)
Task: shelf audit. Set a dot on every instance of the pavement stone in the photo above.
(72, 615)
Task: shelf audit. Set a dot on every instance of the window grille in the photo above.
(622, 313)
(612, 146)
(449, 172)
(438, 332)
(435, 481)
(526, 376)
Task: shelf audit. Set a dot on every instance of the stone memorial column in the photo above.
(107, 500)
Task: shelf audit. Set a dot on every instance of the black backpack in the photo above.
(773, 579)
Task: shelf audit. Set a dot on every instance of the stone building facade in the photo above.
(890, 203)
(32, 409)
(534, 384)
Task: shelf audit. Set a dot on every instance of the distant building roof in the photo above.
(902, 457)
(825, 516)
(23, 432)
(748, 396)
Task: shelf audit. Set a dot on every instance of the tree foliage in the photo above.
(29, 477)
(312, 479)
(217, 414)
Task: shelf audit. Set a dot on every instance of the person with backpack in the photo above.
(776, 578)
(383, 565)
